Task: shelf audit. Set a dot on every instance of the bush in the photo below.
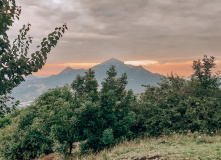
(178, 105)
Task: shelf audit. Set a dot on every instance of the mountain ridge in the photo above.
(137, 76)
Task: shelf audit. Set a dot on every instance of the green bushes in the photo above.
(100, 119)
(62, 116)
(107, 120)
(32, 132)
(179, 105)
(5, 121)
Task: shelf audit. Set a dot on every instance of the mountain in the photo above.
(137, 76)
(31, 89)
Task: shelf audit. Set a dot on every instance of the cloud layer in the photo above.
(168, 31)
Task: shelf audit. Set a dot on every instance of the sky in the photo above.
(163, 36)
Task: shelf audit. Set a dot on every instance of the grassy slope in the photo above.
(192, 146)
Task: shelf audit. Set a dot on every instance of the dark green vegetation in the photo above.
(179, 105)
(15, 64)
(100, 119)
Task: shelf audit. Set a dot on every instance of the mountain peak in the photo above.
(113, 61)
(66, 70)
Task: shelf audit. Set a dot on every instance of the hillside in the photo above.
(137, 76)
(191, 146)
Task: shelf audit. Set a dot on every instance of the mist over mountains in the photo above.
(137, 76)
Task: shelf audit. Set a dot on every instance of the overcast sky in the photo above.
(163, 35)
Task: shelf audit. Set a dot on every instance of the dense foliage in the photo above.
(15, 64)
(62, 116)
(108, 119)
(101, 118)
(179, 105)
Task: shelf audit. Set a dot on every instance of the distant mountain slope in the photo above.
(31, 89)
(137, 75)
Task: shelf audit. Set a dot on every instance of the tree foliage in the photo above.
(203, 75)
(101, 118)
(85, 87)
(62, 116)
(179, 105)
(45, 127)
(15, 64)
(111, 119)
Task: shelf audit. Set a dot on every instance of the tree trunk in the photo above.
(71, 146)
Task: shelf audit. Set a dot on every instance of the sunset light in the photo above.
(50, 69)
(141, 62)
(78, 77)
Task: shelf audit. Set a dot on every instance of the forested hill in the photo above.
(137, 76)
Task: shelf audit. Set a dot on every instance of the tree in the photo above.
(45, 127)
(59, 118)
(178, 105)
(85, 87)
(112, 118)
(203, 73)
(15, 64)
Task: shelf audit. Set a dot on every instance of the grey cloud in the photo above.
(158, 13)
(143, 29)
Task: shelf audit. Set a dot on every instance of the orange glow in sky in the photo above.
(50, 69)
(142, 62)
(179, 68)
